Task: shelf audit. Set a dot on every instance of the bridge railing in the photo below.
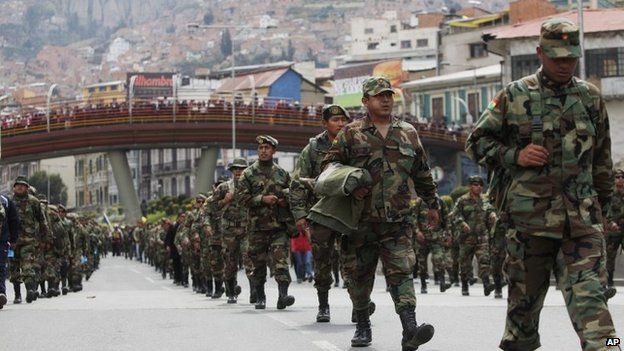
(71, 115)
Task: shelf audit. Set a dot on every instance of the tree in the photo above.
(226, 43)
(58, 189)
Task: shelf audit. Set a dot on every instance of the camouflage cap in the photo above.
(332, 110)
(200, 197)
(267, 139)
(53, 208)
(619, 172)
(475, 179)
(559, 37)
(21, 180)
(238, 163)
(376, 85)
(62, 208)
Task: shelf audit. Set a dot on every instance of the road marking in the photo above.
(289, 323)
(326, 345)
(135, 271)
(150, 280)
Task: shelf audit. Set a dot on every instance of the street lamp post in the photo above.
(131, 96)
(49, 97)
(233, 105)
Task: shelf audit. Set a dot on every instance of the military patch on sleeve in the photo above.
(492, 104)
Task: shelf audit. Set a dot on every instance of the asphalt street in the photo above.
(127, 306)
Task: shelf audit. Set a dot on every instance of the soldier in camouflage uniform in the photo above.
(187, 240)
(546, 139)
(263, 188)
(55, 255)
(473, 217)
(390, 150)
(215, 240)
(233, 226)
(81, 247)
(615, 236)
(34, 231)
(431, 241)
(44, 248)
(324, 240)
(68, 248)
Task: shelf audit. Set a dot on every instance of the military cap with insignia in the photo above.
(267, 139)
(559, 37)
(475, 179)
(238, 163)
(332, 110)
(21, 180)
(376, 85)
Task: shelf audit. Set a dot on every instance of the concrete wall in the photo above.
(455, 49)
(64, 166)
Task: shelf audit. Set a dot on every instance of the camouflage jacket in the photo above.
(308, 166)
(61, 240)
(233, 214)
(259, 180)
(616, 212)
(571, 122)
(391, 161)
(32, 219)
(81, 239)
(478, 214)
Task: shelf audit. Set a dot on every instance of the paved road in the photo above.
(127, 306)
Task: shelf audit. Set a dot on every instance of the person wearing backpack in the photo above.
(545, 139)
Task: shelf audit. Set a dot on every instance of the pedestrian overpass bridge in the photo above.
(69, 131)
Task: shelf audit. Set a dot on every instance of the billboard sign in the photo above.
(347, 85)
(149, 85)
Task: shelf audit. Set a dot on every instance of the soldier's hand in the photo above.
(302, 224)
(228, 198)
(360, 193)
(466, 228)
(269, 199)
(282, 202)
(433, 218)
(533, 156)
(420, 237)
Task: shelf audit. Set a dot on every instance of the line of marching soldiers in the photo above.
(49, 245)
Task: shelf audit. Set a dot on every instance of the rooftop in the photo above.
(463, 77)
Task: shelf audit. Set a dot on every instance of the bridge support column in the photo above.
(123, 177)
(206, 170)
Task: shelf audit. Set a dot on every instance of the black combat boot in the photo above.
(218, 289)
(51, 289)
(498, 288)
(436, 278)
(323, 315)
(253, 294)
(3, 300)
(260, 297)
(44, 293)
(423, 285)
(30, 292)
(371, 310)
(455, 279)
(414, 335)
(487, 287)
(64, 288)
(284, 300)
(609, 292)
(465, 288)
(209, 287)
(363, 334)
(472, 281)
(444, 286)
(18, 293)
(610, 279)
(231, 291)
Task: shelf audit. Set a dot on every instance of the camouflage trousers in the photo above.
(324, 242)
(472, 246)
(53, 266)
(235, 243)
(615, 242)
(269, 247)
(22, 268)
(435, 247)
(392, 243)
(497, 254)
(217, 262)
(528, 265)
(205, 262)
(76, 268)
(453, 267)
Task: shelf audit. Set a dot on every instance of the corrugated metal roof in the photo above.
(471, 75)
(261, 80)
(594, 21)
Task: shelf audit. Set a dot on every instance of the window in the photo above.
(102, 89)
(437, 107)
(477, 50)
(406, 44)
(393, 28)
(372, 46)
(114, 87)
(368, 30)
(422, 43)
(607, 62)
(523, 65)
(92, 90)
